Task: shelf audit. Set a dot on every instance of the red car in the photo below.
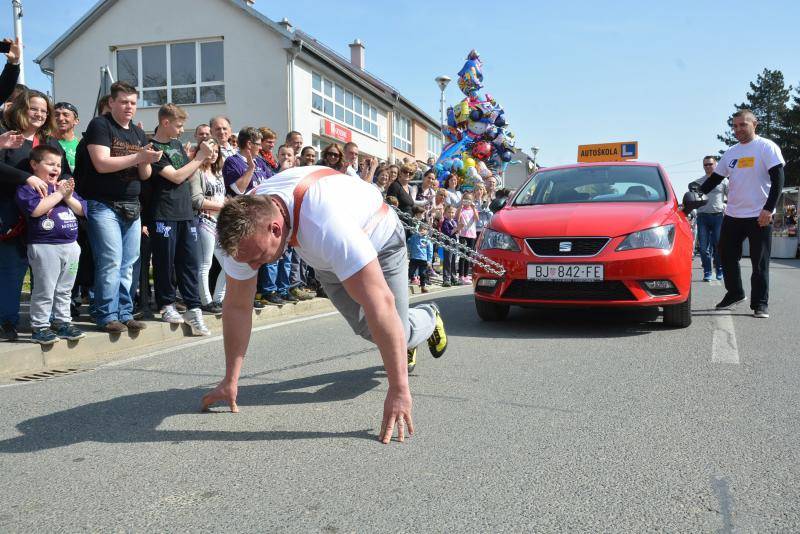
(589, 234)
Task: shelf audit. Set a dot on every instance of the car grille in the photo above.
(581, 246)
(594, 291)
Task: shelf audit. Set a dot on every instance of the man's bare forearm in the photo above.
(237, 322)
(389, 335)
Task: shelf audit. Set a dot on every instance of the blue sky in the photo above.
(666, 74)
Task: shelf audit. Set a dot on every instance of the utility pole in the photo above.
(17, 6)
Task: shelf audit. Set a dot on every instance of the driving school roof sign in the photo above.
(608, 152)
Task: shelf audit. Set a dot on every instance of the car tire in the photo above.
(679, 315)
(490, 311)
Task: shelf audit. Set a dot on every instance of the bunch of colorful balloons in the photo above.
(478, 142)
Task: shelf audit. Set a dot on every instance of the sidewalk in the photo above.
(25, 358)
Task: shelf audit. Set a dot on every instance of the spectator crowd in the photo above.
(126, 222)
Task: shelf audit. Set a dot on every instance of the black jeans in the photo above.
(176, 249)
(418, 268)
(733, 233)
(465, 267)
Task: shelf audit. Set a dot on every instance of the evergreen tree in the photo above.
(768, 101)
(789, 140)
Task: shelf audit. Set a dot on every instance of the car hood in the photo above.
(610, 219)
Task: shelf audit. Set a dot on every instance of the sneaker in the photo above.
(114, 327)
(424, 289)
(44, 336)
(68, 331)
(438, 340)
(8, 332)
(214, 308)
(728, 302)
(74, 311)
(762, 312)
(299, 294)
(445, 284)
(135, 325)
(258, 305)
(170, 315)
(707, 277)
(415, 280)
(412, 359)
(194, 318)
(719, 275)
(273, 298)
(288, 297)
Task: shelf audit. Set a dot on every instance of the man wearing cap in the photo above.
(66, 116)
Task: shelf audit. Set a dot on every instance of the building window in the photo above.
(342, 105)
(401, 133)
(182, 73)
(434, 144)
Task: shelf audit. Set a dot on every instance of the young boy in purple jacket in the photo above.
(53, 251)
(450, 262)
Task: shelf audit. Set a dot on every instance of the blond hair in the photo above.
(241, 217)
(172, 112)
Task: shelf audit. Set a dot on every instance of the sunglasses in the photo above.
(332, 154)
(708, 164)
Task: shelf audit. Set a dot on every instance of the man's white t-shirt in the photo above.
(334, 214)
(747, 168)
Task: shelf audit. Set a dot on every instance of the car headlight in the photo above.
(658, 237)
(497, 240)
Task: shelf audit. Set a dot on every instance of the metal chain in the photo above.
(448, 243)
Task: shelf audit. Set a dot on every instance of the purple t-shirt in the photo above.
(64, 226)
(235, 166)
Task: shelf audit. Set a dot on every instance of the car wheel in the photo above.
(489, 311)
(679, 315)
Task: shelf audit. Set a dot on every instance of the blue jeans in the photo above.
(275, 276)
(115, 245)
(13, 265)
(708, 229)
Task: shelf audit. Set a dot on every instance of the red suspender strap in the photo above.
(299, 193)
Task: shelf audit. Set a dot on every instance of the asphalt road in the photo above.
(550, 421)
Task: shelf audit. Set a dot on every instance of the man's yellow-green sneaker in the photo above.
(438, 340)
(412, 359)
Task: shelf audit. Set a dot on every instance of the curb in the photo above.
(21, 358)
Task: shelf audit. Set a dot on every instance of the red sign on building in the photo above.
(338, 132)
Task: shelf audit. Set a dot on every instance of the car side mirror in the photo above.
(497, 204)
(693, 200)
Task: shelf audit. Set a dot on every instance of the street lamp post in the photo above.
(17, 6)
(442, 81)
(534, 151)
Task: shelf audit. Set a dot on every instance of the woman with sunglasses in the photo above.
(333, 157)
(402, 189)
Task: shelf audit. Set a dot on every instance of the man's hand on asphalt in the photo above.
(396, 411)
(764, 218)
(224, 392)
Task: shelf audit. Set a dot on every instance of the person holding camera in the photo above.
(112, 159)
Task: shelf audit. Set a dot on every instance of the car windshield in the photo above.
(611, 183)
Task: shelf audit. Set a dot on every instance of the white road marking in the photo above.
(725, 349)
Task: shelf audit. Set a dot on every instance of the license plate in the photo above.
(565, 271)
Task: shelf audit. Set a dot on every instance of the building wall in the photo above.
(256, 89)
(309, 121)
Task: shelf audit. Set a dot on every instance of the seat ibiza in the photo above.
(586, 235)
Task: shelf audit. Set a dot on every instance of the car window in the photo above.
(593, 184)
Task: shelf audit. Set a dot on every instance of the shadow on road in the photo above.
(135, 418)
(461, 319)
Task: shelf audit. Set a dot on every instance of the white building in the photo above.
(222, 57)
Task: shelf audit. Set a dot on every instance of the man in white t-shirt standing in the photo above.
(342, 228)
(754, 168)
